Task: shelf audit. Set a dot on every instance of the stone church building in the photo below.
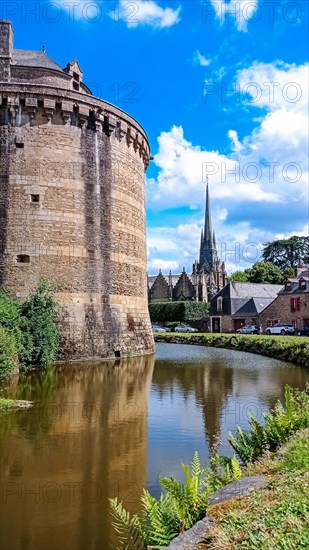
(208, 274)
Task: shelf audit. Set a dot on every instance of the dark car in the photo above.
(303, 331)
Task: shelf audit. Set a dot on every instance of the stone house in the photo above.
(291, 305)
(240, 304)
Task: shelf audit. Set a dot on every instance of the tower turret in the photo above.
(6, 50)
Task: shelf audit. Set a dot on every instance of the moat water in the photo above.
(109, 429)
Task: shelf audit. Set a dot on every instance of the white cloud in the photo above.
(147, 12)
(241, 10)
(165, 266)
(199, 59)
(244, 211)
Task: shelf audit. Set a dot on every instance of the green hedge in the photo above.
(163, 312)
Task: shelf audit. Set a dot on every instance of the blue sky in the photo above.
(170, 64)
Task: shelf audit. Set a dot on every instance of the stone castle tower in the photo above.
(72, 202)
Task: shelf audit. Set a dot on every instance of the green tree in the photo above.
(240, 276)
(287, 253)
(265, 272)
(288, 273)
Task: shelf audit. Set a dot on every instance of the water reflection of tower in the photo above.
(91, 443)
(210, 385)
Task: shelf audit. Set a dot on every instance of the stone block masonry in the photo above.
(72, 203)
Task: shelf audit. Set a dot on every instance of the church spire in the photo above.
(208, 236)
(214, 240)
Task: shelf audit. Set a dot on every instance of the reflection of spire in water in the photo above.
(210, 386)
(89, 442)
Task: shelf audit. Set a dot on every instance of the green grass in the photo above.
(275, 518)
(6, 404)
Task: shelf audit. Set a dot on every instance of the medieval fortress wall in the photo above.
(72, 203)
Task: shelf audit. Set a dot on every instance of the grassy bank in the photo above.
(271, 517)
(294, 349)
(276, 517)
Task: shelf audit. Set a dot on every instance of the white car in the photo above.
(185, 328)
(158, 328)
(280, 328)
(249, 329)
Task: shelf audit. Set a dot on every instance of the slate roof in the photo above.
(253, 290)
(244, 299)
(253, 307)
(31, 58)
(295, 289)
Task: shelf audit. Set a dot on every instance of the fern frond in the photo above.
(236, 469)
(128, 529)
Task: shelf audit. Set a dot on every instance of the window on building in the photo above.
(23, 259)
(272, 322)
(288, 285)
(219, 304)
(19, 145)
(302, 284)
(295, 304)
(35, 199)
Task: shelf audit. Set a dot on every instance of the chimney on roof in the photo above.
(6, 50)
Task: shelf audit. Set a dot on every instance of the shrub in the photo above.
(41, 331)
(182, 505)
(13, 322)
(279, 425)
(178, 311)
(7, 352)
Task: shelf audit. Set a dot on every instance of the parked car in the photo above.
(158, 328)
(280, 328)
(303, 331)
(249, 329)
(185, 328)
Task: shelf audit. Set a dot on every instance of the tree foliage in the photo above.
(260, 272)
(162, 312)
(40, 312)
(239, 276)
(8, 349)
(265, 272)
(28, 330)
(287, 253)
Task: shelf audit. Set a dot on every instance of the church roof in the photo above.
(31, 58)
(175, 279)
